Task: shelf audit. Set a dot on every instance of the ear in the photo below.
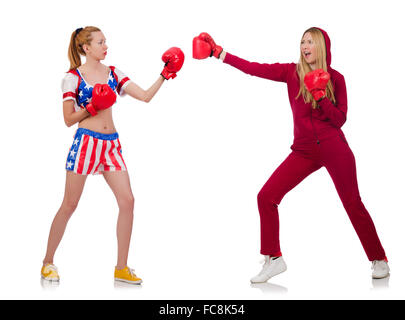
(85, 48)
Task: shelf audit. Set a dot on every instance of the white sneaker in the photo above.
(272, 267)
(380, 269)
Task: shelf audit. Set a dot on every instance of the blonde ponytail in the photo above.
(79, 37)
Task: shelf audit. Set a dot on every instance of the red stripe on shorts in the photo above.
(106, 166)
(93, 155)
(102, 156)
(83, 154)
(119, 152)
(112, 157)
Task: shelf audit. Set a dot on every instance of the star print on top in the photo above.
(74, 87)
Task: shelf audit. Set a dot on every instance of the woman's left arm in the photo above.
(137, 92)
(336, 114)
(173, 59)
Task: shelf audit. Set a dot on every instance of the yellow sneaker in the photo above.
(50, 272)
(127, 275)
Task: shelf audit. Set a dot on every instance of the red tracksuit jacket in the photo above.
(309, 124)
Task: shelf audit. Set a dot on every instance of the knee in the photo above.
(355, 208)
(69, 206)
(352, 204)
(265, 198)
(126, 203)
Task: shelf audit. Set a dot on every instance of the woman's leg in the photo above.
(73, 191)
(120, 186)
(290, 173)
(340, 163)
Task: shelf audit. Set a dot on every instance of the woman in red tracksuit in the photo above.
(318, 99)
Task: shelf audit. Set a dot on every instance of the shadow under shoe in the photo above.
(126, 275)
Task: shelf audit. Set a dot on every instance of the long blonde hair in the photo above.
(79, 38)
(303, 67)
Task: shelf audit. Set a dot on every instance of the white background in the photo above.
(200, 151)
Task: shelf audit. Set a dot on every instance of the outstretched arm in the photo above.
(173, 59)
(274, 71)
(204, 46)
(137, 92)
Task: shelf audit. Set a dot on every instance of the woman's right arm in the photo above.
(204, 46)
(275, 71)
(70, 115)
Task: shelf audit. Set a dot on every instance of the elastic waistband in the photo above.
(97, 135)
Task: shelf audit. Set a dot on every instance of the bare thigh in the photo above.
(73, 189)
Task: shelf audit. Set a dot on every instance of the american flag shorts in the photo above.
(94, 152)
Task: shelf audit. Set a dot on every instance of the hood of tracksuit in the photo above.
(327, 45)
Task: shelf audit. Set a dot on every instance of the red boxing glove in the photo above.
(103, 97)
(90, 109)
(201, 48)
(315, 82)
(215, 49)
(173, 59)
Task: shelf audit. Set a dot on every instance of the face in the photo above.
(308, 49)
(98, 47)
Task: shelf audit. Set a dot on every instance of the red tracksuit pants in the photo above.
(338, 159)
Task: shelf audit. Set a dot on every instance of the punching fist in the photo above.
(315, 82)
(103, 97)
(201, 48)
(204, 46)
(173, 59)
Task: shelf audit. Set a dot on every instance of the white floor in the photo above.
(205, 260)
(291, 285)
